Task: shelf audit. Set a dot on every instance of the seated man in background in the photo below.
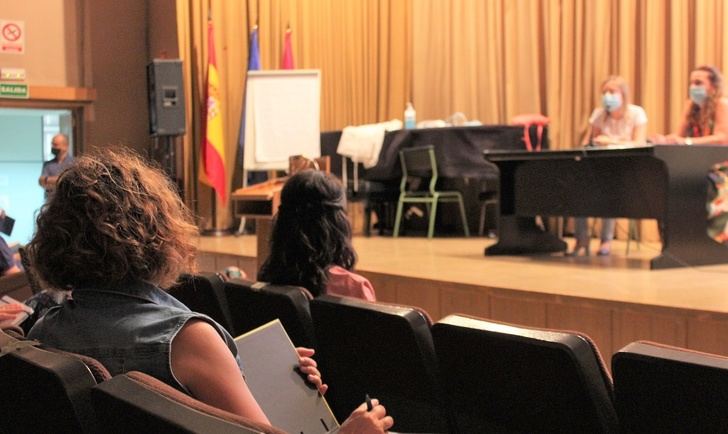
(115, 232)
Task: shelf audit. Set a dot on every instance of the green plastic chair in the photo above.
(420, 163)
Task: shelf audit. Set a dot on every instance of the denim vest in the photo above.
(126, 330)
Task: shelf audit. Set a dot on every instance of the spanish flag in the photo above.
(213, 148)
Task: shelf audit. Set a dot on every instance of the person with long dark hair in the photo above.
(311, 239)
(705, 118)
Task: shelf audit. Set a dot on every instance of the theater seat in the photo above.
(659, 388)
(506, 378)
(253, 304)
(44, 391)
(382, 350)
(204, 293)
(135, 402)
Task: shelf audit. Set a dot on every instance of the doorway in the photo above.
(24, 145)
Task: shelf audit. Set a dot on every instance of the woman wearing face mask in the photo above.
(705, 120)
(617, 122)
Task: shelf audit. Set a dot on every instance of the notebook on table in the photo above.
(269, 362)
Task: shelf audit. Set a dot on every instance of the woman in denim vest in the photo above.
(115, 232)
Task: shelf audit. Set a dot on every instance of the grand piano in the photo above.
(664, 182)
(459, 157)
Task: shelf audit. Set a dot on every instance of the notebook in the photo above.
(269, 358)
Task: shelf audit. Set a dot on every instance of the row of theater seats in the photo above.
(470, 375)
(43, 390)
(461, 374)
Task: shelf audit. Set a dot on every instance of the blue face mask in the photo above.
(698, 94)
(611, 101)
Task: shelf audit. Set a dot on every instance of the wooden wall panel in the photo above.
(518, 310)
(206, 262)
(421, 293)
(591, 320)
(465, 299)
(708, 335)
(629, 326)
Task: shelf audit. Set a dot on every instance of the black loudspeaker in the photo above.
(166, 97)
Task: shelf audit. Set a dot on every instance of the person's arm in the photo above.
(591, 132)
(720, 127)
(204, 364)
(639, 135)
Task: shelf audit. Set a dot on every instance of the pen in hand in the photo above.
(369, 402)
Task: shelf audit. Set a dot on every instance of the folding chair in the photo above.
(420, 163)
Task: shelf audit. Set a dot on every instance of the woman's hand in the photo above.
(308, 366)
(362, 421)
(10, 311)
(602, 140)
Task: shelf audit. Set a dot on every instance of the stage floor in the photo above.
(619, 277)
(615, 300)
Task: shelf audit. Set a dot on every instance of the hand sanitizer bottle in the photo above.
(410, 117)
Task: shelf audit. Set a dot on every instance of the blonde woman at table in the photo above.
(617, 122)
(705, 118)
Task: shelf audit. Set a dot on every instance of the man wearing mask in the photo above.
(52, 168)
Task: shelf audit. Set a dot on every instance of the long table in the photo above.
(664, 182)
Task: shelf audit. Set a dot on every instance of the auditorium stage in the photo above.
(615, 299)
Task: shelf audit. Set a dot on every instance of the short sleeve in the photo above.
(348, 284)
(596, 117)
(640, 117)
(45, 170)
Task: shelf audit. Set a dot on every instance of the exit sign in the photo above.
(14, 90)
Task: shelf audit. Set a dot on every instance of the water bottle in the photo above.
(410, 117)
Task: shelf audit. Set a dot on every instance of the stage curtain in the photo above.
(363, 49)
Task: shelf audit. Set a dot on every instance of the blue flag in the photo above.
(254, 57)
(253, 65)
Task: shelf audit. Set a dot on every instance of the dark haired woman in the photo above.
(115, 231)
(311, 239)
(705, 120)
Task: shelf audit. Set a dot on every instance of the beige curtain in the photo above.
(362, 47)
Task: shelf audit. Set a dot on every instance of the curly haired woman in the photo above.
(311, 239)
(115, 232)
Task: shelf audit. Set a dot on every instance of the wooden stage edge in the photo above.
(615, 299)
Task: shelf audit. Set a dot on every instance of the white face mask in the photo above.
(611, 101)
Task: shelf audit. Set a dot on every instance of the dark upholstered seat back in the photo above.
(253, 304)
(659, 388)
(136, 402)
(43, 391)
(515, 379)
(204, 293)
(382, 350)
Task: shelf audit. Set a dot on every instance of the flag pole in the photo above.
(214, 230)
